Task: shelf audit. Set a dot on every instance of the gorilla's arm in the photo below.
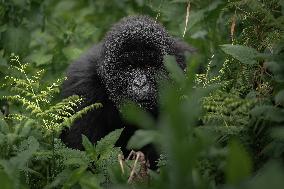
(83, 80)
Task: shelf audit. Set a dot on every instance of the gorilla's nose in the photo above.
(140, 81)
(140, 87)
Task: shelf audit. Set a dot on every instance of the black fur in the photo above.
(101, 76)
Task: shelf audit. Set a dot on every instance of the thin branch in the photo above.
(186, 18)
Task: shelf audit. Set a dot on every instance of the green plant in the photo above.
(31, 153)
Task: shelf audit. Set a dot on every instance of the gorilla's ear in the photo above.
(180, 48)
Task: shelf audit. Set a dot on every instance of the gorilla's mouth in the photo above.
(147, 104)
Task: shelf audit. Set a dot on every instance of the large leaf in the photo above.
(270, 176)
(89, 147)
(277, 68)
(137, 116)
(176, 72)
(141, 138)
(16, 40)
(107, 143)
(74, 177)
(239, 164)
(244, 54)
(5, 181)
(19, 162)
(279, 98)
(269, 113)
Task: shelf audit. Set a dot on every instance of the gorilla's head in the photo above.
(133, 52)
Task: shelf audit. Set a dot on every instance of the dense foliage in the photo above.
(220, 123)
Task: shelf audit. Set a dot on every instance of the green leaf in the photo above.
(71, 53)
(277, 68)
(239, 165)
(107, 143)
(89, 181)
(271, 175)
(279, 98)
(59, 179)
(141, 138)
(269, 113)
(26, 128)
(3, 124)
(137, 116)
(5, 181)
(19, 162)
(41, 58)
(26, 150)
(244, 54)
(278, 133)
(89, 147)
(74, 177)
(176, 72)
(16, 40)
(3, 65)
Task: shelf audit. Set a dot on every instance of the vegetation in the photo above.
(220, 123)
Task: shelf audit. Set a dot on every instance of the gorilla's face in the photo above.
(133, 61)
(134, 75)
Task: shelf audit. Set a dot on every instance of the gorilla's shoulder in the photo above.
(88, 61)
(82, 78)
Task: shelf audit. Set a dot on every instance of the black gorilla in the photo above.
(125, 65)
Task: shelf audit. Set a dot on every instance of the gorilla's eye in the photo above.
(141, 55)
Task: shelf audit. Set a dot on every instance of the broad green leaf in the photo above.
(16, 40)
(5, 181)
(195, 18)
(176, 72)
(279, 98)
(59, 179)
(141, 138)
(244, 54)
(3, 66)
(239, 165)
(137, 116)
(107, 143)
(19, 3)
(41, 58)
(90, 181)
(26, 128)
(19, 162)
(277, 68)
(3, 124)
(71, 53)
(269, 113)
(27, 149)
(271, 175)
(278, 133)
(89, 147)
(74, 177)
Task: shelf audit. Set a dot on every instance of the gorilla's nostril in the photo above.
(140, 80)
(139, 83)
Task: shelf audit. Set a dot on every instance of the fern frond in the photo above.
(37, 100)
(29, 105)
(68, 121)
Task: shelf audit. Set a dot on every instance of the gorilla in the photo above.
(124, 66)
